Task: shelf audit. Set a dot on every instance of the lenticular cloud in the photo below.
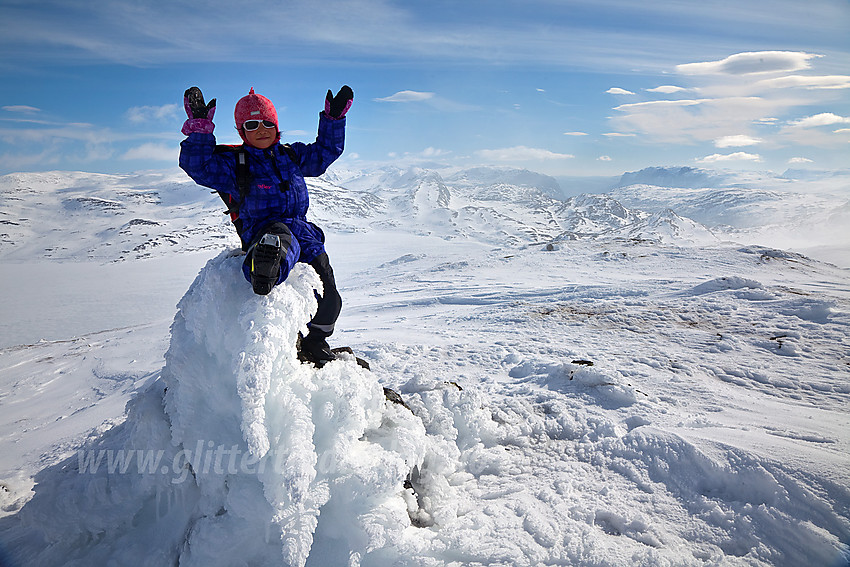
(751, 62)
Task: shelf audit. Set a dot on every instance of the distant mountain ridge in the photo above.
(737, 200)
(87, 216)
(683, 177)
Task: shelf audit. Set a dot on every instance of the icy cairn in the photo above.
(238, 454)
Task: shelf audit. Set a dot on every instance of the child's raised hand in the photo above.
(193, 102)
(200, 114)
(337, 106)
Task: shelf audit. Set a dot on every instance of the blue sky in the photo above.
(567, 88)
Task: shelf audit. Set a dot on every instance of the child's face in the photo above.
(262, 137)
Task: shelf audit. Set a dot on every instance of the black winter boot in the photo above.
(314, 348)
(265, 264)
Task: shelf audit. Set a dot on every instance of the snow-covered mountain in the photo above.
(801, 210)
(586, 381)
(498, 206)
(113, 217)
(808, 207)
(79, 216)
(70, 216)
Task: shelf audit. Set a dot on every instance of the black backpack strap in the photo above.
(291, 153)
(243, 173)
(243, 181)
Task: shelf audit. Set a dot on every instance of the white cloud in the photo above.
(751, 62)
(22, 108)
(736, 141)
(619, 135)
(521, 153)
(822, 119)
(798, 160)
(151, 151)
(735, 99)
(431, 152)
(659, 103)
(406, 96)
(139, 114)
(70, 134)
(817, 130)
(575, 133)
(806, 82)
(737, 156)
(691, 120)
(619, 91)
(667, 89)
(603, 158)
(403, 159)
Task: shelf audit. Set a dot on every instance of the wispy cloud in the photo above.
(428, 155)
(140, 114)
(71, 144)
(806, 82)
(62, 144)
(660, 103)
(406, 96)
(618, 91)
(520, 154)
(139, 32)
(575, 133)
(152, 151)
(430, 99)
(21, 108)
(431, 152)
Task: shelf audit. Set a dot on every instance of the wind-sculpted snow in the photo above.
(237, 453)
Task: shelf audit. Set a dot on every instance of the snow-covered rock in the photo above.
(236, 441)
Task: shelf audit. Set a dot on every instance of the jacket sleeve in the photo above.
(316, 157)
(199, 159)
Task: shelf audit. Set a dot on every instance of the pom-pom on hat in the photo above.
(254, 107)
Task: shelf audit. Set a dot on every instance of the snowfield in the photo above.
(636, 378)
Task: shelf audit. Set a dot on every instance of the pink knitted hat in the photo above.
(254, 107)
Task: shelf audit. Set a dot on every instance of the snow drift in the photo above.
(236, 453)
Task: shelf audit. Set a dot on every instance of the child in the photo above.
(263, 183)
